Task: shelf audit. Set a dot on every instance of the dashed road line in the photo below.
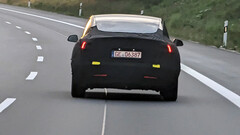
(40, 59)
(104, 119)
(6, 103)
(32, 76)
(27, 32)
(104, 114)
(35, 39)
(18, 27)
(8, 22)
(38, 47)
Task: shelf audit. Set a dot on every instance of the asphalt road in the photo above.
(35, 79)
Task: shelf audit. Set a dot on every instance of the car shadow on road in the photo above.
(123, 96)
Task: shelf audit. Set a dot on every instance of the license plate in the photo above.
(127, 54)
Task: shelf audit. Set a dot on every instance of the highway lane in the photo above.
(44, 105)
(38, 108)
(15, 62)
(220, 65)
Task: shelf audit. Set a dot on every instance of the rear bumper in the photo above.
(125, 75)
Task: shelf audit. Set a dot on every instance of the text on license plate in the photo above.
(126, 54)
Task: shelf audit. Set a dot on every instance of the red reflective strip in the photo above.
(100, 75)
(169, 48)
(150, 77)
(83, 46)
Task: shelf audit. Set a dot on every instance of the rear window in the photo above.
(129, 26)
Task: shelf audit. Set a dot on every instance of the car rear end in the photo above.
(125, 62)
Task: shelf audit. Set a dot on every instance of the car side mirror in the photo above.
(178, 42)
(72, 38)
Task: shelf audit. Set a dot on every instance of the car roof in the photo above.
(127, 18)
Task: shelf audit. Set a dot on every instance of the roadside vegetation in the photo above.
(197, 20)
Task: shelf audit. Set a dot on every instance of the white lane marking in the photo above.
(38, 47)
(40, 59)
(234, 99)
(104, 119)
(6, 103)
(35, 39)
(27, 32)
(42, 17)
(18, 27)
(8, 23)
(104, 114)
(32, 76)
(228, 94)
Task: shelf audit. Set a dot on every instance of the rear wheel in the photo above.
(170, 94)
(77, 90)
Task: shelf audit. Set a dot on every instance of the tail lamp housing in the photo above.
(169, 48)
(83, 45)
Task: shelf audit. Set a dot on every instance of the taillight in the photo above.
(169, 48)
(83, 46)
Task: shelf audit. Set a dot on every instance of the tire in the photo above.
(170, 94)
(77, 90)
